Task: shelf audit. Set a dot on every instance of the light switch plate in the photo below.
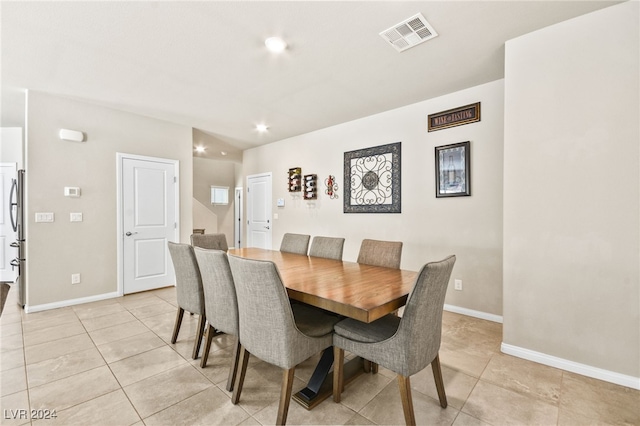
(75, 217)
(45, 217)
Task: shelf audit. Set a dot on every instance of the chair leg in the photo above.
(407, 402)
(437, 377)
(235, 359)
(207, 346)
(367, 366)
(338, 373)
(178, 323)
(196, 345)
(374, 368)
(237, 387)
(285, 395)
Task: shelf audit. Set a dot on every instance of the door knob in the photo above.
(128, 234)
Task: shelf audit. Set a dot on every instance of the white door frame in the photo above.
(120, 157)
(238, 217)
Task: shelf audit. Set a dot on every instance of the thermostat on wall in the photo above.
(280, 202)
(71, 191)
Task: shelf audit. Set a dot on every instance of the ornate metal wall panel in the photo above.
(372, 180)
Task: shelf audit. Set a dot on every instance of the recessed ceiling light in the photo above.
(275, 44)
(200, 149)
(223, 152)
(261, 128)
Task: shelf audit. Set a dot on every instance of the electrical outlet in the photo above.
(75, 217)
(458, 285)
(75, 278)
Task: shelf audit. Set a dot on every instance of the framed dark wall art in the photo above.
(454, 117)
(372, 180)
(453, 174)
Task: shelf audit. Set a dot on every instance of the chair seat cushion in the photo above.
(312, 321)
(377, 331)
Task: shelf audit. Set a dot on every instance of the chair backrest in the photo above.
(420, 328)
(210, 241)
(267, 324)
(220, 301)
(380, 253)
(188, 281)
(327, 247)
(295, 243)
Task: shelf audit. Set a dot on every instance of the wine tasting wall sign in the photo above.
(454, 117)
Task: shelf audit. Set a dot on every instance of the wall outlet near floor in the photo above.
(457, 285)
(75, 278)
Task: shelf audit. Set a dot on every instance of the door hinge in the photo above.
(175, 179)
(175, 225)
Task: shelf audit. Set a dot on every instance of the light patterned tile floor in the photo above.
(111, 363)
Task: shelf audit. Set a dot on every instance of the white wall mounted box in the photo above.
(71, 191)
(71, 135)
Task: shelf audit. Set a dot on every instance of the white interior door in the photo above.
(259, 211)
(149, 221)
(8, 172)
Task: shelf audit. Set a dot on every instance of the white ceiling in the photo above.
(204, 64)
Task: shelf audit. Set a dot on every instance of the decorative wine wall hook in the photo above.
(332, 187)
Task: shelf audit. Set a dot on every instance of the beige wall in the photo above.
(470, 227)
(56, 250)
(571, 191)
(203, 218)
(207, 172)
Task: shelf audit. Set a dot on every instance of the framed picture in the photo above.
(453, 174)
(372, 180)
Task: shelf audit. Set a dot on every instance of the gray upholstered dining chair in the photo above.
(273, 330)
(220, 303)
(295, 243)
(327, 247)
(210, 241)
(188, 289)
(380, 253)
(404, 345)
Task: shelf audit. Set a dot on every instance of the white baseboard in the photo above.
(64, 303)
(574, 367)
(472, 313)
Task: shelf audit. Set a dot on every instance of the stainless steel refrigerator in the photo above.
(16, 212)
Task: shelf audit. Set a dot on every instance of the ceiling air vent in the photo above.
(409, 33)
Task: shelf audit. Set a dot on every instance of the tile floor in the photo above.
(111, 363)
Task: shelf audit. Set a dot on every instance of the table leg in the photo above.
(320, 385)
(319, 375)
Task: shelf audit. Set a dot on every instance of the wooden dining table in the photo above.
(362, 292)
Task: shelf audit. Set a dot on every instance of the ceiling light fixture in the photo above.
(200, 149)
(275, 44)
(261, 128)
